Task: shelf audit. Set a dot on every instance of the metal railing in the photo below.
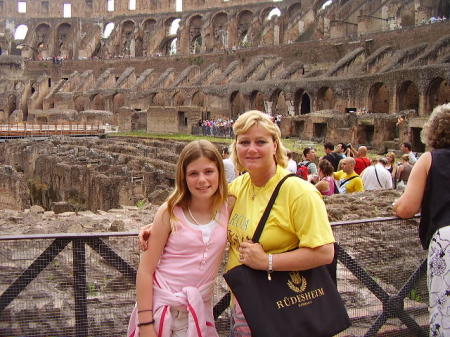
(83, 284)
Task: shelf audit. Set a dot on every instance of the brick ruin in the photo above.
(341, 70)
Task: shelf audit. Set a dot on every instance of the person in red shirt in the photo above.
(361, 160)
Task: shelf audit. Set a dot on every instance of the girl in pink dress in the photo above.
(176, 275)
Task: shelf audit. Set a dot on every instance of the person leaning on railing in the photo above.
(428, 190)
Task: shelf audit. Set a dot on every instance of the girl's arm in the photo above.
(410, 201)
(322, 186)
(147, 265)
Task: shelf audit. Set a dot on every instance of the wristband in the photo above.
(145, 310)
(146, 323)
(270, 267)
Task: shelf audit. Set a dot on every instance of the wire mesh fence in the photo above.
(83, 285)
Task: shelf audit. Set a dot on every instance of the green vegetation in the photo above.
(141, 203)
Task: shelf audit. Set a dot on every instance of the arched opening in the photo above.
(195, 34)
(244, 23)
(64, 41)
(198, 99)
(237, 105)
(159, 99)
(127, 41)
(220, 31)
(443, 8)
(408, 96)
(302, 102)
(118, 101)
(149, 28)
(11, 105)
(279, 106)
(108, 30)
(98, 102)
(172, 25)
(325, 98)
(294, 10)
(41, 42)
(178, 99)
(270, 13)
(81, 103)
(257, 101)
(438, 93)
(21, 32)
(379, 98)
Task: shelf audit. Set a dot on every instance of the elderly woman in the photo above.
(428, 190)
(297, 235)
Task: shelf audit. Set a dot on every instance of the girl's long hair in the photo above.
(181, 195)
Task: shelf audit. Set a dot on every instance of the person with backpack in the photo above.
(307, 167)
(333, 157)
(347, 180)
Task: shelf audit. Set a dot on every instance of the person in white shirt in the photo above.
(230, 171)
(376, 176)
(292, 165)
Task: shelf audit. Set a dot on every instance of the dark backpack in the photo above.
(302, 170)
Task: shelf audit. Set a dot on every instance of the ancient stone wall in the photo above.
(357, 55)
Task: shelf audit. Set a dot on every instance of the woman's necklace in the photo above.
(195, 220)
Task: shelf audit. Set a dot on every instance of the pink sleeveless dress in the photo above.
(185, 277)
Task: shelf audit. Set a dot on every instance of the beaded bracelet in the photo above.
(146, 323)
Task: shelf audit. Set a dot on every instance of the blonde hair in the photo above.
(392, 156)
(252, 118)
(181, 194)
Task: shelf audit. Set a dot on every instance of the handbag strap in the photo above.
(266, 213)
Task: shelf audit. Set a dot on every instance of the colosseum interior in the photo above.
(341, 70)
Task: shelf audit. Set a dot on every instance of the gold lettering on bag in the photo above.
(298, 283)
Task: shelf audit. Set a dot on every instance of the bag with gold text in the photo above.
(289, 304)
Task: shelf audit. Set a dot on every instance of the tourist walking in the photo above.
(428, 191)
(175, 278)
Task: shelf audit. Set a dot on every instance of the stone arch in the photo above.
(178, 99)
(41, 42)
(325, 98)
(149, 29)
(159, 99)
(198, 99)
(244, 21)
(438, 93)
(170, 24)
(64, 39)
(20, 32)
(302, 102)
(118, 101)
(293, 10)
(220, 31)
(98, 102)
(81, 103)
(408, 96)
(195, 34)
(127, 42)
(257, 100)
(237, 104)
(379, 98)
(169, 46)
(108, 30)
(266, 13)
(406, 15)
(279, 105)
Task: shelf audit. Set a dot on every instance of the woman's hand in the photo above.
(147, 331)
(144, 235)
(252, 255)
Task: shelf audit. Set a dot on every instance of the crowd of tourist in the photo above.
(220, 127)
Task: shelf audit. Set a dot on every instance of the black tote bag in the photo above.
(291, 304)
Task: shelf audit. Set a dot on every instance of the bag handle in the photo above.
(265, 216)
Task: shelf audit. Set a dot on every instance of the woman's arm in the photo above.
(302, 258)
(410, 201)
(147, 265)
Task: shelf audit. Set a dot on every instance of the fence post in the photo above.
(80, 288)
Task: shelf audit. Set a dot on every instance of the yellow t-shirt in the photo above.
(354, 185)
(298, 217)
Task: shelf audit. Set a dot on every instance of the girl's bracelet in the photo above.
(146, 323)
(145, 310)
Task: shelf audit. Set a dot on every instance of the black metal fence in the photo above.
(83, 284)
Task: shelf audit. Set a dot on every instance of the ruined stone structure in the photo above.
(338, 71)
